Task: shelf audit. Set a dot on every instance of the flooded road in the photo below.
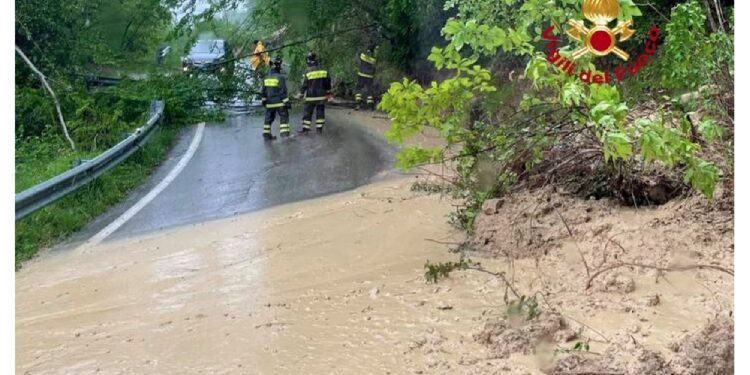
(325, 286)
(330, 286)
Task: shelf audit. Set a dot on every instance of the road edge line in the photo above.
(143, 202)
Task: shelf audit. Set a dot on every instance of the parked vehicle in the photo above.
(204, 54)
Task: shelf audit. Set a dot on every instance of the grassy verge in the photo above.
(70, 214)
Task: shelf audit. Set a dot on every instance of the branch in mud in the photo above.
(500, 275)
(728, 271)
(580, 253)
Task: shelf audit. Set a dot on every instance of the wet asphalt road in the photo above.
(235, 171)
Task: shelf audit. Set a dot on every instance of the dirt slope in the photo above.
(638, 278)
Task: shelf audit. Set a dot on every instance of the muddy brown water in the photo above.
(327, 286)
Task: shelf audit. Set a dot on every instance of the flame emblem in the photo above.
(600, 40)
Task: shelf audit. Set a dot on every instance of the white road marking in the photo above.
(132, 211)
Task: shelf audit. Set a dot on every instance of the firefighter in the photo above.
(275, 100)
(316, 90)
(365, 77)
(259, 55)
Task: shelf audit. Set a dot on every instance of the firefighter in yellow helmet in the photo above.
(365, 76)
(276, 100)
(316, 90)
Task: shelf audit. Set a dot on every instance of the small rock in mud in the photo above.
(442, 305)
(374, 293)
(650, 300)
(545, 210)
(565, 335)
(491, 206)
(431, 342)
(618, 283)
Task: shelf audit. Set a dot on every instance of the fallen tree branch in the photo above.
(500, 275)
(52, 93)
(443, 242)
(580, 253)
(662, 269)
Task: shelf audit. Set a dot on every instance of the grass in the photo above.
(31, 171)
(59, 220)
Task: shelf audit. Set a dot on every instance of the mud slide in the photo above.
(335, 285)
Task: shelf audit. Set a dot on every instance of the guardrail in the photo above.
(98, 81)
(48, 192)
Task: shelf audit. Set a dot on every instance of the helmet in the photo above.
(276, 63)
(371, 48)
(312, 59)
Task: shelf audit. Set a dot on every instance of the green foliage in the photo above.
(579, 346)
(710, 130)
(492, 151)
(72, 37)
(67, 41)
(525, 307)
(99, 121)
(411, 156)
(339, 30)
(444, 105)
(70, 214)
(436, 271)
(691, 57)
(430, 187)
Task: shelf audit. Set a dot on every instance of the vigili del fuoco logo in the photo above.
(599, 39)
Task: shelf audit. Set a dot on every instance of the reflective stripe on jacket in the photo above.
(316, 84)
(273, 91)
(366, 66)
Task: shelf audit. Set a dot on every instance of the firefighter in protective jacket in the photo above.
(275, 100)
(366, 74)
(316, 90)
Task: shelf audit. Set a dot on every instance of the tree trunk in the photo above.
(52, 93)
(710, 16)
(719, 15)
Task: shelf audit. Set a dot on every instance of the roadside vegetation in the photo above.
(69, 42)
(560, 131)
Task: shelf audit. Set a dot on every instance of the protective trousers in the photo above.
(364, 87)
(283, 120)
(319, 107)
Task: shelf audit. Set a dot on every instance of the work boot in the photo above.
(303, 131)
(319, 130)
(358, 107)
(285, 134)
(268, 137)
